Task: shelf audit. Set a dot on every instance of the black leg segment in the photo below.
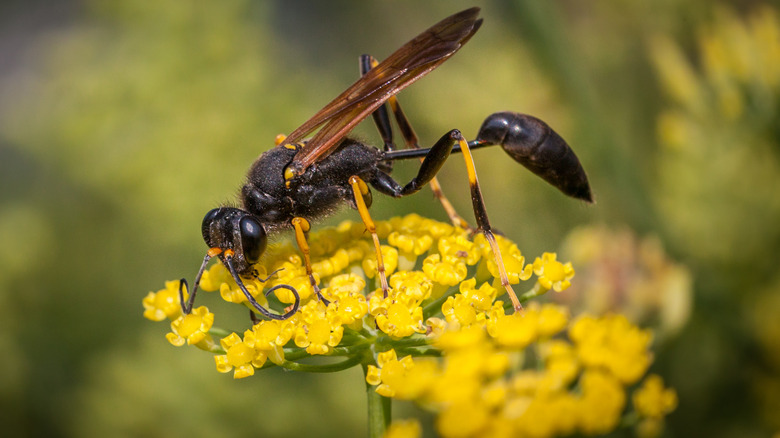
(380, 116)
(429, 167)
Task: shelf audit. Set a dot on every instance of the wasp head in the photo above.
(228, 228)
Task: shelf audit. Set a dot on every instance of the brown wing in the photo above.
(407, 64)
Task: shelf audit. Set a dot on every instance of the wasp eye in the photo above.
(253, 240)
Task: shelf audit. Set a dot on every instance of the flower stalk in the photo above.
(379, 410)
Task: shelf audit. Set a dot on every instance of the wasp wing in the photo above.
(407, 64)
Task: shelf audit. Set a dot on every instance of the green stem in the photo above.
(351, 350)
(416, 341)
(378, 410)
(295, 353)
(219, 332)
(417, 352)
(328, 368)
(533, 293)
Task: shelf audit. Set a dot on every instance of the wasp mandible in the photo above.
(300, 181)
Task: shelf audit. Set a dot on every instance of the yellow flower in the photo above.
(331, 265)
(652, 400)
(214, 276)
(192, 328)
(614, 344)
(411, 286)
(483, 372)
(164, 303)
(404, 379)
(460, 247)
(404, 429)
(448, 271)
(547, 416)
(389, 256)
(240, 356)
(290, 272)
(463, 419)
(231, 293)
(270, 336)
(347, 305)
(552, 319)
(458, 309)
(552, 273)
(400, 320)
(516, 330)
(462, 338)
(560, 360)
(410, 236)
(315, 332)
(435, 327)
(514, 262)
(602, 402)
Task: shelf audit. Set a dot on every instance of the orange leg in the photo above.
(480, 212)
(302, 227)
(360, 189)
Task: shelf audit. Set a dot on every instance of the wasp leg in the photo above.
(227, 260)
(483, 224)
(381, 119)
(432, 161)
(360, 191)
(411, 140)
(302, 227)
(431, 164)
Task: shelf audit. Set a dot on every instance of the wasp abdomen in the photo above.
(532, 143)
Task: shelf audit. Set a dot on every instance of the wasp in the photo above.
(299, 181)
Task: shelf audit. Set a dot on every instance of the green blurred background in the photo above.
(123, 122)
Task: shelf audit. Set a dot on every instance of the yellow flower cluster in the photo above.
(652, 401)
(452, 349)
(423, 259)
(263, 342)
(516, 376)
(619, 272)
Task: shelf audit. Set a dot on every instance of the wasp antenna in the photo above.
(229, 263)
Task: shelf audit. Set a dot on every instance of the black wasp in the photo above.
(300, 181)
